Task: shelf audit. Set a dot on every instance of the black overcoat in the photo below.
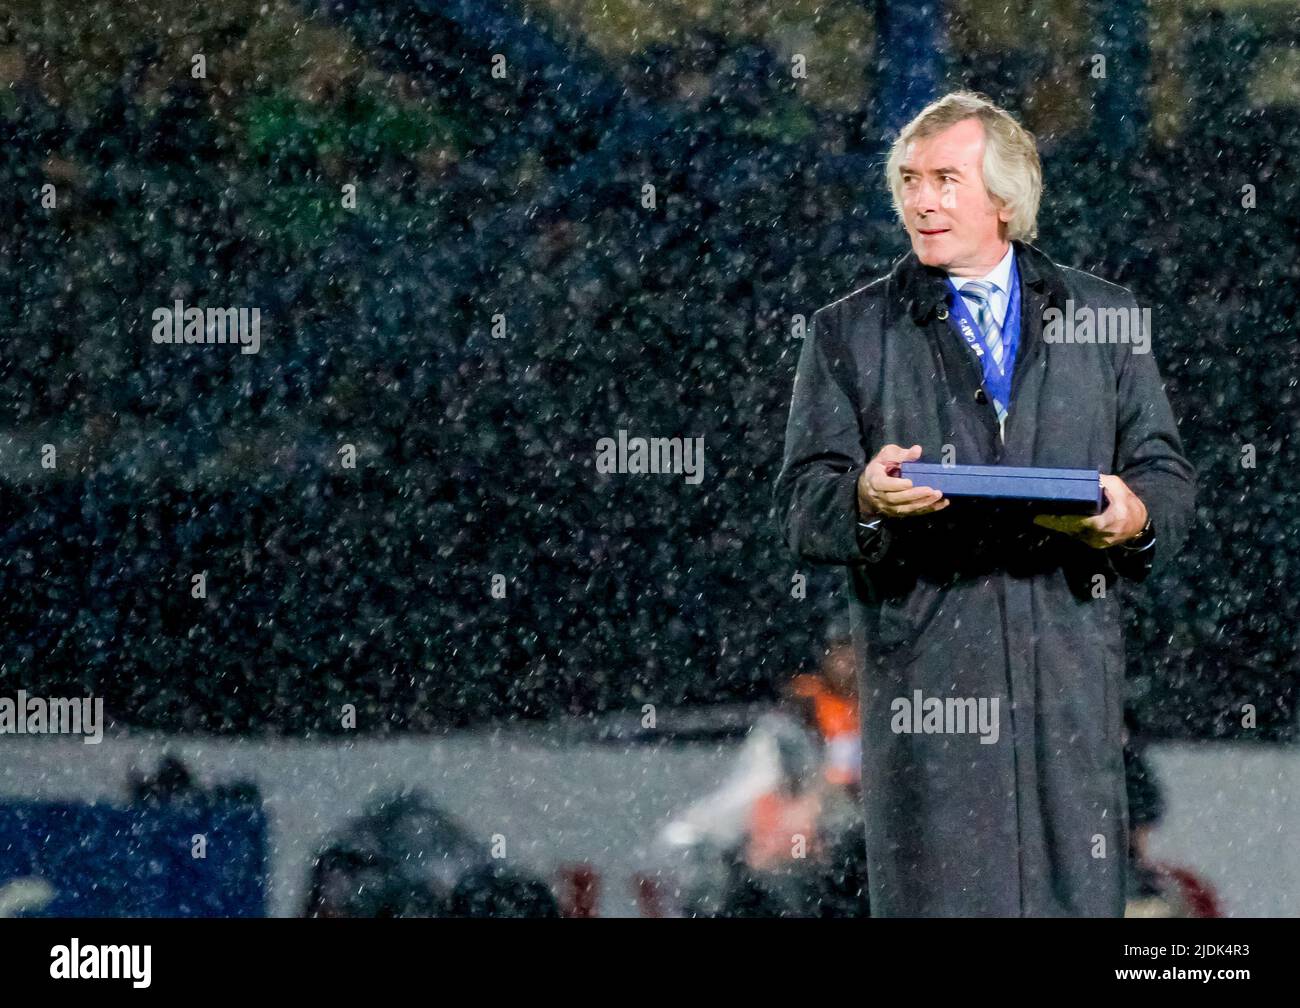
(967, 606)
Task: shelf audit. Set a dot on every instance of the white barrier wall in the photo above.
(1233, 813)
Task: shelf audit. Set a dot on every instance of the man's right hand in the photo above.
(883, 493)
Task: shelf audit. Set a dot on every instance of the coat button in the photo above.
(980, 397)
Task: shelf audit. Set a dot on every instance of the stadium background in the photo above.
(520, 196)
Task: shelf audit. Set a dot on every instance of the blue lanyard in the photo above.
(998, 385)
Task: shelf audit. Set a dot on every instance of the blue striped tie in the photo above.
(976, 293)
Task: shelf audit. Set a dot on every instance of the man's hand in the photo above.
(1122, 520)
(882, 492)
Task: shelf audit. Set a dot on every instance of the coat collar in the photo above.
(923, 290)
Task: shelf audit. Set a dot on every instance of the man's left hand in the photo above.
(1124, 518)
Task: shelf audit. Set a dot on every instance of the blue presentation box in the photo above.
(1042, 491)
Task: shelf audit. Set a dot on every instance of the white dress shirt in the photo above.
(1000, 276)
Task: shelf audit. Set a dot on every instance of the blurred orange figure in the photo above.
(777, 821)
(833, 695)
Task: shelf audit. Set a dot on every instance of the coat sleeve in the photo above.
(1149, 458)
(815, 496)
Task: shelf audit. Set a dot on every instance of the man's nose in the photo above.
(925, 197)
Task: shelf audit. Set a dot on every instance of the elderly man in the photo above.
(989, 645)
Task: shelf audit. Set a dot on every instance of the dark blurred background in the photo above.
(521, 197)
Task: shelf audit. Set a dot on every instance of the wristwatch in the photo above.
(873, 538)
(1144, 540)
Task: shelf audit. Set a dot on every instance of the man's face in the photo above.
(952, 222)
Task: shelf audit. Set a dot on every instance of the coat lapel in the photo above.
(924, 291)
(1041, 285)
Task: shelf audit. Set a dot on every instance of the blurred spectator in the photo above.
(406, 857)
(493, 891)
(783, 835)
(832, 692)
(782, 824)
